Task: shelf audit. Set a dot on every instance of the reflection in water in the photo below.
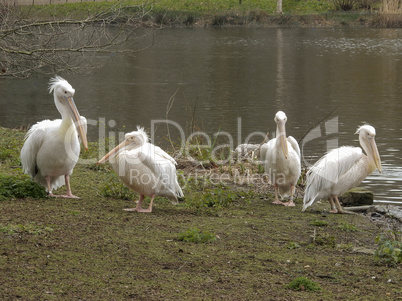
(235, 80)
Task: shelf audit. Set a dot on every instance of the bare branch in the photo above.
(33, 45)
(322, 120)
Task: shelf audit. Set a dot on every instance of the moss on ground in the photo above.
(90, 249)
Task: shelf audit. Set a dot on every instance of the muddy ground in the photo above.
(90, 249)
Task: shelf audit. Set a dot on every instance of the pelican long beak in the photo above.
(77, 120)
(374, 152)
(113, 151)
(282, 137)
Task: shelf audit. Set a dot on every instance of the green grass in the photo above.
(319, 223)
(196, 6)
(348, 227)
(90, 249)
(196, 236)
(210, 13)
(304, 284)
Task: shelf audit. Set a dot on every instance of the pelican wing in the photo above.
(162, 165)
(160, 154)
(33, 142)
(326, 172)
(294, 144)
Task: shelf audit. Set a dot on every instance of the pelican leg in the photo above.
(49, 189)
(292, 192)
(69, 194)
(339, 207)
(277, 201)
(138, 208)
(150, 204)
(139, 205)
(333, 207)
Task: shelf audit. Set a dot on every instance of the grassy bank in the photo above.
(222, 241)
(226, 13)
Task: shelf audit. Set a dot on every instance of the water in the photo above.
(233, 81)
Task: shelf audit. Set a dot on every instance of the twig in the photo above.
(266, 139)
(318, 123)
(169, 106)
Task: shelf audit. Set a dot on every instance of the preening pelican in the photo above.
(145, 168)
(342, 169)
(245, 150)
(281, 158)
(52, 147)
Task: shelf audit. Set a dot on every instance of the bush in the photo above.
(344, 5)
(389, 251)
(13, 187)
(366, 4)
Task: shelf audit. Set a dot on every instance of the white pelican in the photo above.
(52, 147)
(145, 168)
(342, 169)
(281, 158)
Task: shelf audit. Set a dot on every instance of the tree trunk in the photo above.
(279, 6)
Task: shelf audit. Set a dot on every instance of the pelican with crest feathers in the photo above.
(342, 169)
(144, 168)
(52, 147)
(281, 158)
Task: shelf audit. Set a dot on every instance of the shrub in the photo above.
(344, 5)
(389, 251)
(13, 187)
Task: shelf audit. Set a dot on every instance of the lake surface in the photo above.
(231, 82)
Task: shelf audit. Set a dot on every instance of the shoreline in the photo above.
(261, 19)
(247, 14)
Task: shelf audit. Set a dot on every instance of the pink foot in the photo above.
(289, 204)
(66, 196)
(138, 209)
(277, 202)
(341, 211)
(130, 209)
(69, 196)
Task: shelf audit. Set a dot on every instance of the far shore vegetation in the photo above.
(34, 33)
(199, 13)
